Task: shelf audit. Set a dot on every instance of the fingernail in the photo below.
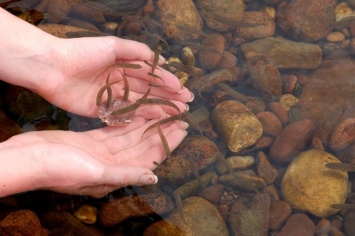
(149, 179)
(187, 107)
(182, 89)
(192, 97)
(162, 59)
(186, 125)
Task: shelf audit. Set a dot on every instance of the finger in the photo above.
(157, 152)
(134, 143)
(133, 50)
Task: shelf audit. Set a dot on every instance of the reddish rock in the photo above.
(11, 129)
(279, 111)
(228, 60)
(343, 134)
(323, 227)
(298, 224)
(265, 170)
(327, 98)
(265, 78)
(208, 59)
(212, 193)
(291, 141)
(264, 26)
(279, 213)
(118, 210)
(21, 222)
(270, 123)
(307, 20)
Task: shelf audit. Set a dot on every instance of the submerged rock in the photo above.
(237, 125)
(201, 217)
(310, 186)
(284, 53)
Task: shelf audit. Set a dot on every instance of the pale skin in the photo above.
(68, 73)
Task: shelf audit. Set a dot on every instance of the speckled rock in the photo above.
(134, 206)
(284, 53)
(196, 209)
(264, 26)
(287, 101)
(209, 60)
(298, 224)
(235, 163)
(194, 152)
(309, 185)
(21, 222)
(228, 60)
(60, 30)
(232, 118)
(223, 15)
(249, 215)
(174, 13)
(307, 20)
(291, 141)
(343, 134)
(245, 180)
(270, 123)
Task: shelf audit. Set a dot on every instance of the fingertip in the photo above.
(148, 179)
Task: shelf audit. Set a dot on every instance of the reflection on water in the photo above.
(273, 84)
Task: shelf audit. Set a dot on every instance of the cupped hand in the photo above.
(80, 72)
(100, 161)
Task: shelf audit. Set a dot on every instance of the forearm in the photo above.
(18, 171)
(25, 52)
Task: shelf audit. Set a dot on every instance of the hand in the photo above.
(95, 162)
(78, 75)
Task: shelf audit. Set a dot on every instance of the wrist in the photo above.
(19, 169)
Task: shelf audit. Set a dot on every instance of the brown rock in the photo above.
(208, 59)
(307, 20)
(289, 83)
(249, 215)
(343, 134)
(279, 111)
(323, 227)
(265, 78)
(298, 224)
(270, 123)
(279, 213)
(291, 141)
(244, 180)
(265, 170)
(348, 223)
(284, 53)
(87, 13)
(174, 13)
(134, 206)
(223, 15)
(21, 222)
(232, 118)
(212, 193)
(60, 9)
(194, 152)
(8, 128)
(272, 191)
(60, 31)
(196, 209)
(264, 26)
(325, 100)
(228, 60)
(163, 227)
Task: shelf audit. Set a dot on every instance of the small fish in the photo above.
(200, 47)
(125, 66)
(156, 76)
(233, 23)
(101, 92)
(126, 110)
(164, 121)
(164, 141)
(341, 166)
(109, 93)
(191, 70)
(343, 206)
